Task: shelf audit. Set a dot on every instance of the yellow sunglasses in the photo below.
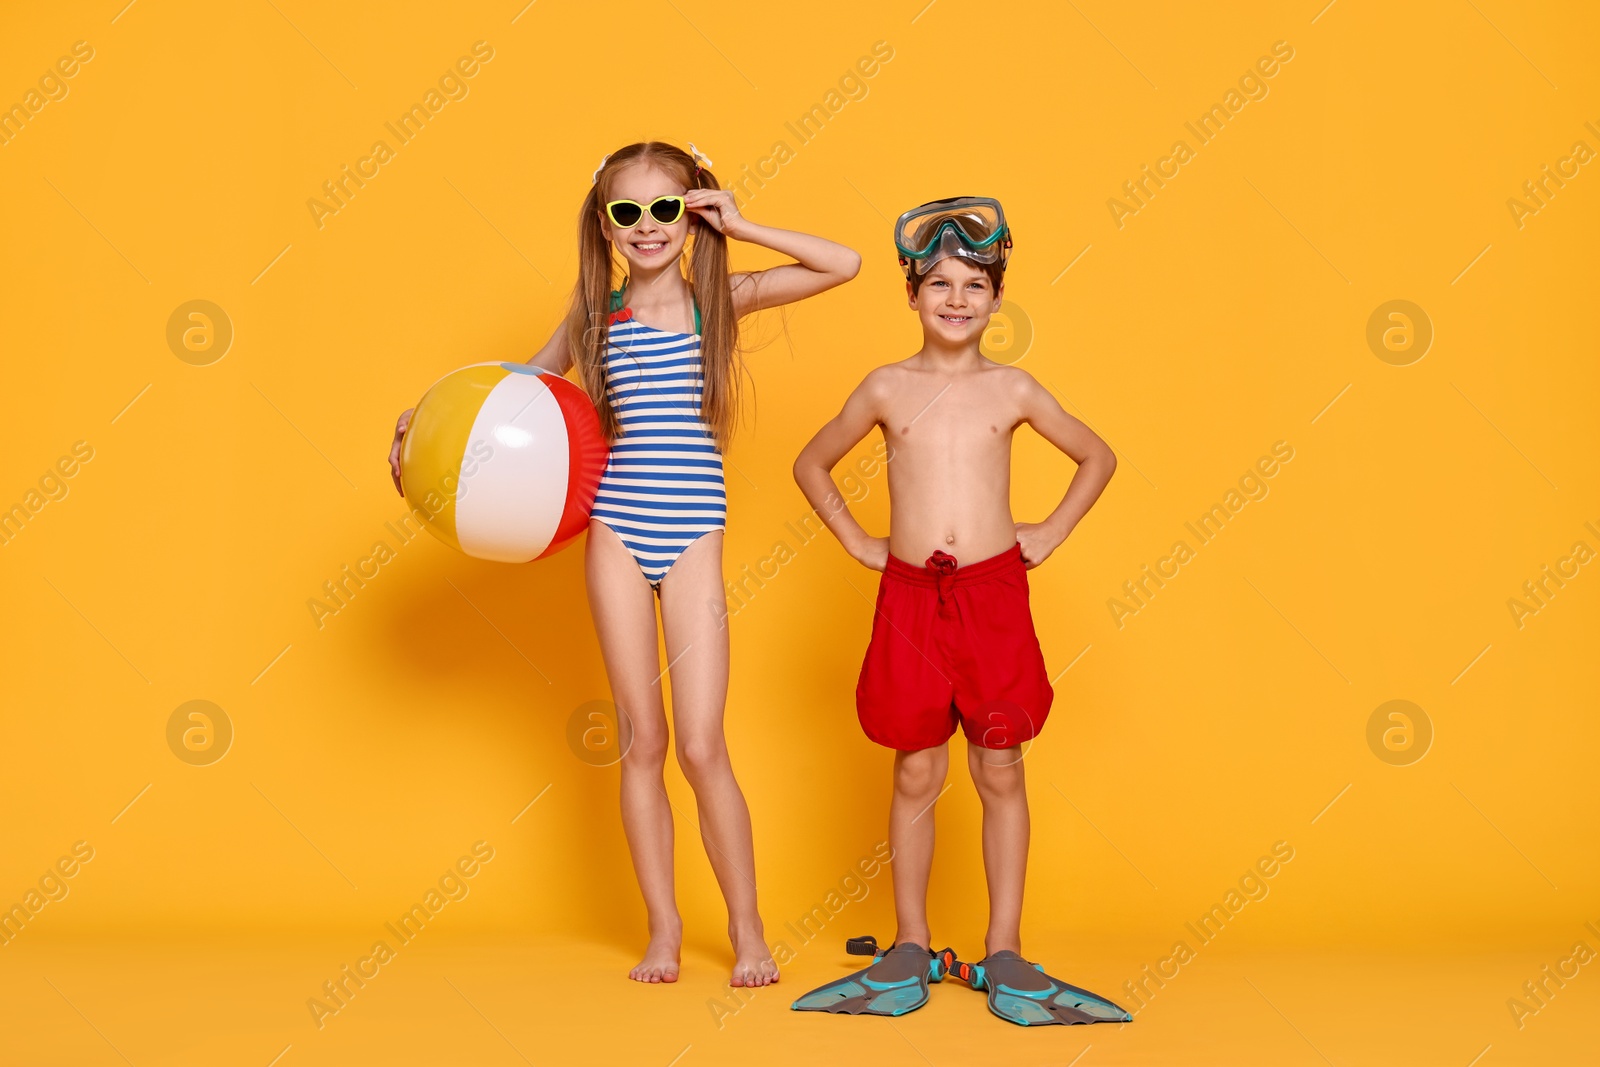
(626, 214)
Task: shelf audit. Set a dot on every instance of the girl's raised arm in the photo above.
(819, 264)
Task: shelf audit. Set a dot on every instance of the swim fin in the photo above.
(1020, 992)
(896, 983)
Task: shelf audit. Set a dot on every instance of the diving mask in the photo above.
(972, 227)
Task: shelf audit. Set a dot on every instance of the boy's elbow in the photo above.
(809, 472)
(852, 264)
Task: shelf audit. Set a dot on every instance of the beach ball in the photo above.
(502, 461)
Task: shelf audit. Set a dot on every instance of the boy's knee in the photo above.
(921, 774)
(996, 775)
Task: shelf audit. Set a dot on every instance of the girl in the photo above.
(660, 360)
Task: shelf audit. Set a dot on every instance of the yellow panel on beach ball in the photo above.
(436, 442)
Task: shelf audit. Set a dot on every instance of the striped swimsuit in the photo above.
(662, 487)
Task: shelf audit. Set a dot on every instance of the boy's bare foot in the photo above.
(660, 963)
(753, 965)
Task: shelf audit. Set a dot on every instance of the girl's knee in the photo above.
(647, 748)
(701, 756)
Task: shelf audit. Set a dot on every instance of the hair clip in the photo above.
(699, 159)
(596, 176)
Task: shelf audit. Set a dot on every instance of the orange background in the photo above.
(1229, 313)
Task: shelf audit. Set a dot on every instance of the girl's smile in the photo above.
(648, 240)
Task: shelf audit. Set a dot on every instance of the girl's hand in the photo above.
(1038, 541)
(716, 208)
(873, 553)
(400, 425)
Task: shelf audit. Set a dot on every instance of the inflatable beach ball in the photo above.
(504, 460)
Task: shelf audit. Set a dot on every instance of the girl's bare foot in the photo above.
(753, 965)
(660, 963)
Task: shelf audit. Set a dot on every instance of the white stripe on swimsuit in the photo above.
(662, 487)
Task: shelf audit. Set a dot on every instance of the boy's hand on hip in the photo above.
(873, 553)
(1038, 541)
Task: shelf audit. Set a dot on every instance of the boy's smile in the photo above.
(955, 301)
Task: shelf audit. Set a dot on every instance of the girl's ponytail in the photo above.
(719, 329)
(588, 318)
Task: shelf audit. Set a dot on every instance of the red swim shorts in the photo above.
(953, 644)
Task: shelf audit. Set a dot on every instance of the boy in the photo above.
(952, 638)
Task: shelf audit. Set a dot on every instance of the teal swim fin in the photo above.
(896, 983)
(1020, 992)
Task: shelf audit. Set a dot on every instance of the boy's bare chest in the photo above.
(950, 415)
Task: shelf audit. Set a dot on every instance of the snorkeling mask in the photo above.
(973, 227)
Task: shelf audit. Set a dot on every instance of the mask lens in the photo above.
(976, 223)
(968, 226)
(976, 227)
(625, 213)
(667, 209)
